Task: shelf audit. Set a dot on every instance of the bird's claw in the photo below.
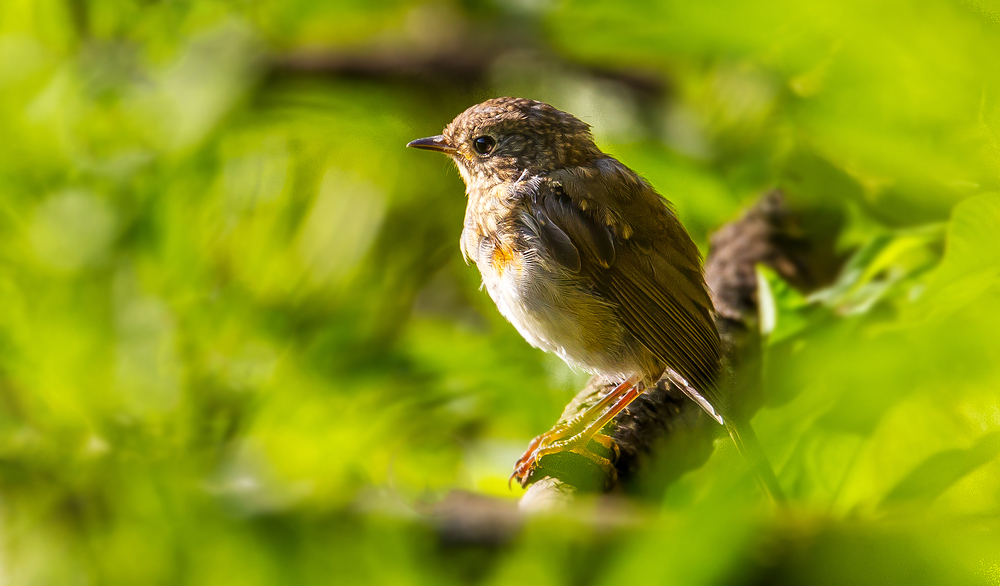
(526, 463)
(562, 439)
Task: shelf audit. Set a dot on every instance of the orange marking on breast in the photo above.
(503, 257)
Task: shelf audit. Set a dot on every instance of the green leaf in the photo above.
(971, 262)
(942, 470)
(781, 307)
(877, 269)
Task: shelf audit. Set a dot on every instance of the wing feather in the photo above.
(651, 272)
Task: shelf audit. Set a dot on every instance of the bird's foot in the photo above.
(575, 434)
(549, 443)
(526, 463)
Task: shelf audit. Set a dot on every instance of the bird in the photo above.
(587, 261)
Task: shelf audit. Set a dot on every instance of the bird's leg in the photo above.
(573, 427)
(575, 433)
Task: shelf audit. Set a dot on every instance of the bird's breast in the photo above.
(552, 308)
(507, 273)
(504, 258)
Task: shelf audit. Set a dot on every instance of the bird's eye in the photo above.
(483, 144)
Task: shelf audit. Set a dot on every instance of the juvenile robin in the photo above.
(587, 261)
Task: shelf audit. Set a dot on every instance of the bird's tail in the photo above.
(751, 450)
(743, 436)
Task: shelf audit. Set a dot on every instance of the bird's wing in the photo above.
(575, 239)
(643, 261)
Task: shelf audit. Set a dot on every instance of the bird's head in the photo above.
(505, 139)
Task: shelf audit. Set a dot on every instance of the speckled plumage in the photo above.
(579, 252)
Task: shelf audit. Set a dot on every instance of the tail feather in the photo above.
(743, 436)
(749, 447)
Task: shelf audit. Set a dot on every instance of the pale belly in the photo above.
(552, 310)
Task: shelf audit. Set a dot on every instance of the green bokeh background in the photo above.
(238, 343)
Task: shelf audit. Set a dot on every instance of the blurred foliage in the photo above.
(239, 344)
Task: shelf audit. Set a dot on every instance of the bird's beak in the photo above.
(433, 143)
